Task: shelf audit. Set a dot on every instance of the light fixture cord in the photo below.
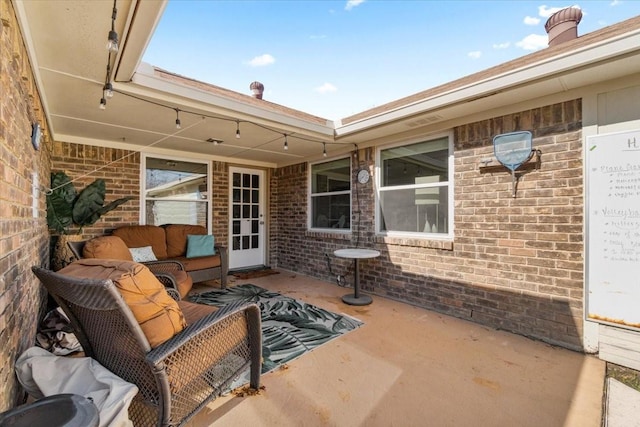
(133, 152)
(114, 15)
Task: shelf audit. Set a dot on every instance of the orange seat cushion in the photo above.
(158, 315)
(177, 238)
(184, 282)
(200, 263)
(138, 236)
(107, 247)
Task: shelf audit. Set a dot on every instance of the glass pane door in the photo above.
(247, 218)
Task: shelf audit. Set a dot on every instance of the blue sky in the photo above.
(338, 58)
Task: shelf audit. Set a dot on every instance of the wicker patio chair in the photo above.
(166, 271)
(178, 377)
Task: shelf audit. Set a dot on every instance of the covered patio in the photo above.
(412, 367)
(434, 348)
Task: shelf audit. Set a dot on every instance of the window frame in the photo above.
(143, 183)
(449, 184)
(332, 193)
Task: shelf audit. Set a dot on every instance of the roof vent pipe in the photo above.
(257, 89)
(562, 26)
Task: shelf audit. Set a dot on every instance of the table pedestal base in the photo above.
(352, 299)
(356, 254)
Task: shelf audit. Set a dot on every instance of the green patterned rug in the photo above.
(290, 327)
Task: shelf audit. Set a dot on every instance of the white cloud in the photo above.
(262, 60)
(531, 20)
(475, 54)
(615, 3)
(501, 45)
(546, 11)
(533, 42)
(326, 88)
(353, 3)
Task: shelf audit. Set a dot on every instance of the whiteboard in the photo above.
(612, 217)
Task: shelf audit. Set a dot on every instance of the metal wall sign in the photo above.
(512, 150)
(612, 215)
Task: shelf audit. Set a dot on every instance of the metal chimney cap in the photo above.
(571, 13)
(257, 88)
(562, 26)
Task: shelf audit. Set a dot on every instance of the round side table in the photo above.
(357, 254)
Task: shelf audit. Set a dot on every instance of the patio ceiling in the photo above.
(66, 43)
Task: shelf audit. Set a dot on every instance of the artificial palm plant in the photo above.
(68, 211)
(66, 207)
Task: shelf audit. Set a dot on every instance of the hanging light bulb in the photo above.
(103, 103)
(324, 149)
(286, 145)
(178, 125)
(237, 129)
(112, 39)
(108, 90)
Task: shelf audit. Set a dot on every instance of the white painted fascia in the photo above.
(141, 23)
(145, 79)
(546, 68)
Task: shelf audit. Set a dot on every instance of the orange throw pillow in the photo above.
(158, 314)
(107, 247)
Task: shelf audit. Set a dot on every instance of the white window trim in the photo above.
(378, 184)
(143, 184)
(333, 193)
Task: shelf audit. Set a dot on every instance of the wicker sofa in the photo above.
(170, 242)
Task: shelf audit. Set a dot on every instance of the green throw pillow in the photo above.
(200, 245)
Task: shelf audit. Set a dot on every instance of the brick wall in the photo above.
(514, 264)
(220, 202)
(120, 170)
(24, 240)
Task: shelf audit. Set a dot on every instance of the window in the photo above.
(414, 188)
(175, 192)
(331, 195)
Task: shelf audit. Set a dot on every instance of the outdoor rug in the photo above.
(290, 327)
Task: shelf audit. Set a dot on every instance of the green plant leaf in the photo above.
(66, 207)
(60, 202)
(88, 203)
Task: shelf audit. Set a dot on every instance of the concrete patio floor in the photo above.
(407, 366)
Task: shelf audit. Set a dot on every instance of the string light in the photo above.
(237, 121)
(112, 47)
(108, 93)
(108, 90)
(112, 44)
(112, 39)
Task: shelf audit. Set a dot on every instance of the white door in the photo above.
(246, 222)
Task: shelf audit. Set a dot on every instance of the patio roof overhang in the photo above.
(66, 42)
